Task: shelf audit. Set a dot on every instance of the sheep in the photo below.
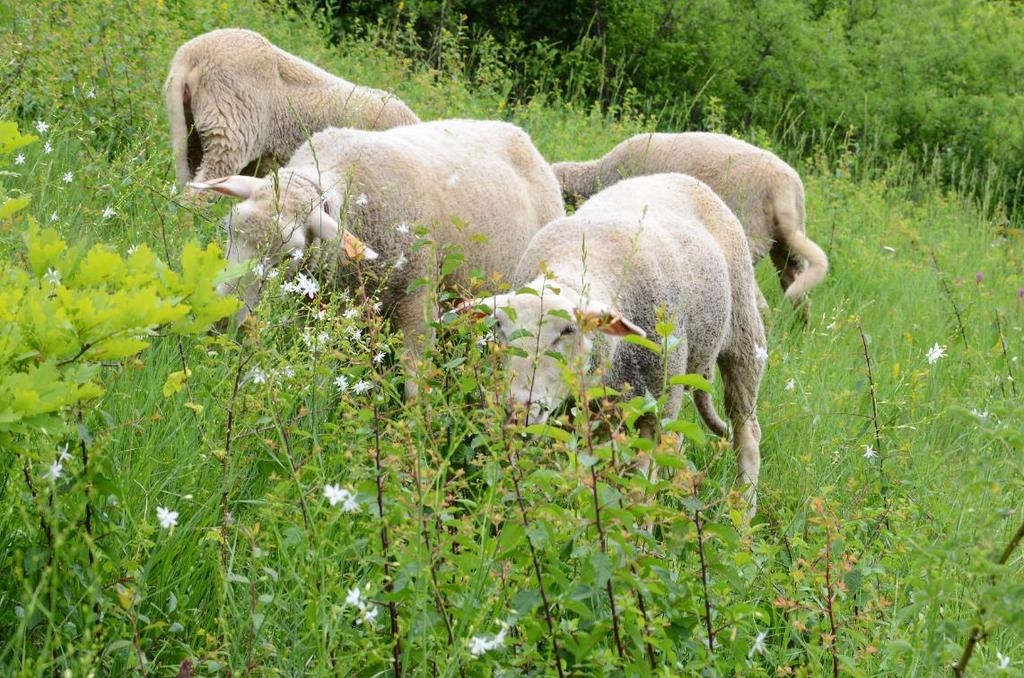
(480, 186)
(236, 102)
(760, 188)
(660, 242)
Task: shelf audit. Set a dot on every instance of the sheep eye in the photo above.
(571, 329)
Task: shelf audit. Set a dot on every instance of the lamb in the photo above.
(236, 102)
(480, 186)
(664, 241)
(760, 188)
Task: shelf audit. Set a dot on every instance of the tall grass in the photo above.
(469, 535)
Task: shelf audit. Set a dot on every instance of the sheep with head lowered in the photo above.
(663, 243)
(235, 101)
(480, 186)
(761, 189)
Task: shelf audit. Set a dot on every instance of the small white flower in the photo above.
(55, 471)
(109, 212)
(41, 126)
(52, 276)
(761, 353)
(831, 325)
(68, 177)
(287, 372)
(133, 249)
(402, 228)
(273, 273)
(889, 249)
(303, 285)
(166, 517)
(336, 494)
(379, 358)
(19, 159)
(297, 254)
(257, 376)
(341, 382)
(483, 341)
(376, 306)
(47, 148)
(980, 414)
(400, 261)
(369, 615)
(91, 94)
(790, 384)
(356, 333)
(322, 338)
(453, 180)
(1004, 661)
(478, 645)
(869, 452)
(936, 352)
(53, 217)
(361, 199)
(355, 598)
(361, 386)
(63, 455)
(349, 314)
(259, 269)
(759, 646)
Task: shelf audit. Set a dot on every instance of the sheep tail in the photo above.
(177, 97)
(789, 216)
(578, 179)
(702, 399)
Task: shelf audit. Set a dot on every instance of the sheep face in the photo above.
(546, 334)
(276, 217)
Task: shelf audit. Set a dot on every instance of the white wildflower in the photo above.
(478, 645)
(400, 261)
(166, 517)
(980, 414)
(936, 352)
(287, 372)
(68, 177)
(52, 276)
(361, 199)
(356, 333)
(322, 338)
(790, 384)
(349, 314)
(759, 646)
(338, 495)
(1003, 660)
(63, 455)
(361, 386)
(761, 353)
(869, 452)
(379, 358)
(303, 285)
(47, 148)
(55, 471)
(889, 249)
(53, 217)
(132, 250)
(369, 615)
(109, 212)
(91, 94)
(355, 598)
(297, 254)
(273, 273)
(341, 382)
(257, 376)
(19, 159)
(453, 180)
(41, 126)
(376, 306)
(402, 228)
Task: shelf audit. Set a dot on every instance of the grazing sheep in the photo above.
(762, 190)
(661, 242)
(234, 100)
(478, 185)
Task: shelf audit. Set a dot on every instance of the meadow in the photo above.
(264, 502)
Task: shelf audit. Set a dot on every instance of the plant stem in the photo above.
(703, 570)
(389, 586)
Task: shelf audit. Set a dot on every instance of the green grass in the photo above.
(254, 577)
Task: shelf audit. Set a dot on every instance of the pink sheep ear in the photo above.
(236, 186)
(472, 308)
(325, 227)
(610, 321)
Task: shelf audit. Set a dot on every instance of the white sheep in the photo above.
(660, 243)
(761, 189)
(236, 101)
(480, 186)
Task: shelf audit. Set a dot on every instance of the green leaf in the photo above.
(644, 342)
(12, 205)
(688, 429)
(11, 139)
(691, 380)
(601, 392)
(549, 431)
(175, 382)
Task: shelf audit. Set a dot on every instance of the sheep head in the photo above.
(547, 327)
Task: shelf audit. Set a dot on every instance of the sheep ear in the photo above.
(324, 227)
(236, 186)
(611, 321)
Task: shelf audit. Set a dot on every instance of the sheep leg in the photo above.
(410, 317)
(741, 374)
